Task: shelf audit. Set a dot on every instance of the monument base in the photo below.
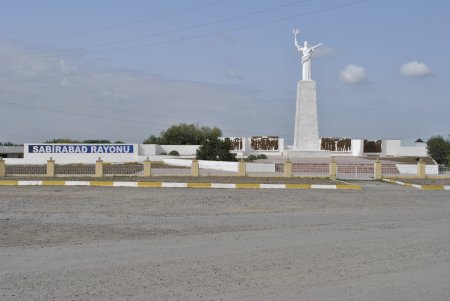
(306, 129)
(307, 153)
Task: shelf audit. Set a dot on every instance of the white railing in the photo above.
(355, 171)
(310, 170)
(411, 169)
(444, 170)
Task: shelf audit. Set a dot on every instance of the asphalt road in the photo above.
(385, 242)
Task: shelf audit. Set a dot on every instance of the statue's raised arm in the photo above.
(296, 31)
(318, 45)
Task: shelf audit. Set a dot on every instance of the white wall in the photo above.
(147, 150)
(155, 149)
(183, 150)
(395, 148)
(357, 147)
(390, 147)
(15, 161)
(411, 169)
(413, 151)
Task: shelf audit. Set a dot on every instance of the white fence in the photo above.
(411, 169)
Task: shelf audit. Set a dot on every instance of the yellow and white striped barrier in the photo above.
(174, 185)
(423, 187)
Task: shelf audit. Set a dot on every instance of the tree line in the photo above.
(89, 141)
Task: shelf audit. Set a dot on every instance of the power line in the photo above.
(80, 114)
(132, 121)
(12, 103)
(224, 30)
(174, 30)
(108, 27)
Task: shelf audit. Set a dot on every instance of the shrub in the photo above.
(174, 153)
(439, 149)
(163, 154)
(262, 156)
(251, 158)
(215, 149)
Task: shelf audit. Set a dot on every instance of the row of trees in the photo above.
(8, 144)
(184, 134)
(91, 141)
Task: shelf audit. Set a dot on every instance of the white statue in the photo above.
(306, 58)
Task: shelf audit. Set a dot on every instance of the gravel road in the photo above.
(385, 242)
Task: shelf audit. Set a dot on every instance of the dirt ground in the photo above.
(384, 242)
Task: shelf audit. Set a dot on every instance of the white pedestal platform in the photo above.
(306, 153)
(306, 129)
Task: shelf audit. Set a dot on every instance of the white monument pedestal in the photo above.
(306, 131)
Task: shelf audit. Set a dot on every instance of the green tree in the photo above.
(88, 141)
(215, 149)
(184, 134)
(439, 149)
(8, 144)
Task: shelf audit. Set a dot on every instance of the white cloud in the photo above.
(414, 69)
(115, 96)
(66, 68)
(65, 82)
(353, 74)
(232, 73)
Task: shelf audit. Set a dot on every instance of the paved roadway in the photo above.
(385, 242)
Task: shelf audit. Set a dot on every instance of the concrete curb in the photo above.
(175, 185)
(422, 187)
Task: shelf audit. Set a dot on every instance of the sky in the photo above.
(125, 70)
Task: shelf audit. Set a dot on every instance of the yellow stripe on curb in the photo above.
(247, 185)
(348, 186)
(432, 187)
(102, 183)
(199, 185)
(298, 186)
(149, 184)
(53, 183)
(9, 183)
(189, 185)
(422, 187)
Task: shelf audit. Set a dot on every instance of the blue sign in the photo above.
(80, 149)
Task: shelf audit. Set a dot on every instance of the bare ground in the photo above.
(384, 242)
